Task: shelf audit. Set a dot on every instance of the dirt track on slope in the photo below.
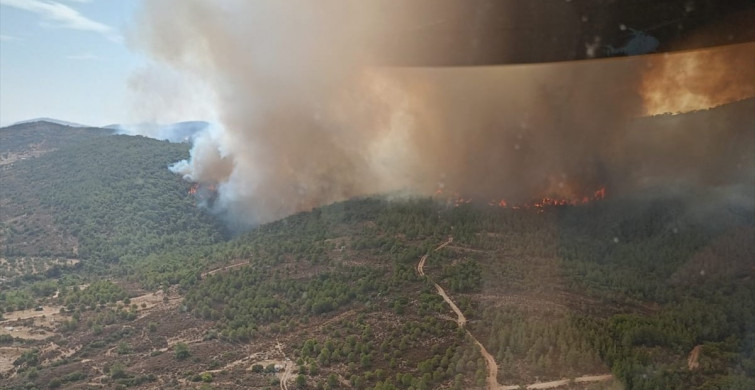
(288, 368)
(204, 274)
(492, 377)
(560, 382)
(694, 355)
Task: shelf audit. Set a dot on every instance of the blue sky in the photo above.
(66, 59)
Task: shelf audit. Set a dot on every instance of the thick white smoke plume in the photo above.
(305, 117)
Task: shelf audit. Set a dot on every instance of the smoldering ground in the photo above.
(306, 117)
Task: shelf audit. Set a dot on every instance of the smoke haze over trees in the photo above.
(306, 118)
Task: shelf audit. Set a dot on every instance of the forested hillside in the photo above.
(127, 283)
(100, 202)
(35, 138)
(116, 196)
(605, 286)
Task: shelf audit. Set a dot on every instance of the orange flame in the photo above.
(697, 80)
(545, 202)
(599, 194)
(202, 191)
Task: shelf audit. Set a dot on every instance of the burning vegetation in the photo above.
(320, 122)
(553, 200)
(698, 80)
(205, 194)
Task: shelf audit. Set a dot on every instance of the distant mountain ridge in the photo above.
(50, 120)
(36, 138)
(183, 131)
(174, 132)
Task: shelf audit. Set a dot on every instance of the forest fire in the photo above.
(546, 201)
(200, 187)
(203, 193)
(539, 204)
(698, 80)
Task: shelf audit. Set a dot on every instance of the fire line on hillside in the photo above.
(540, 205)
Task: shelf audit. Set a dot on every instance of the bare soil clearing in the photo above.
(25, 332)
(47, 311)
(694, 355)
(148, 302)
(32, 265)
(7, 356)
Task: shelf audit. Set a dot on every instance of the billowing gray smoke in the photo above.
(306, 118)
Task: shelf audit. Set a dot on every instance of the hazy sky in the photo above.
(66, 59)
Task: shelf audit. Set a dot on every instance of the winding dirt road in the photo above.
(492, 378)
(560, 382)
(288, 367)
(460, 319)
(286, 376)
